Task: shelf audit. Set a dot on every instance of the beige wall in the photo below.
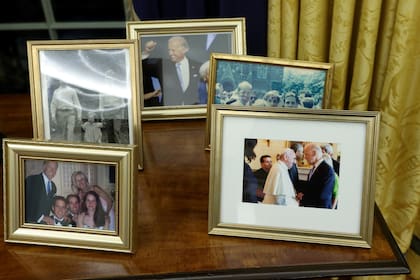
(274, 147)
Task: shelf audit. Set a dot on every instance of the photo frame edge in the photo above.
(15, 232)
(164, 26)
(362, 240)
(36, 95)
(328, 67)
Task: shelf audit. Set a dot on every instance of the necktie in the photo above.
(311, 173)
(48, 187)
(179, 72)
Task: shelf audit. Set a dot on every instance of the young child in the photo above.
(92, 129)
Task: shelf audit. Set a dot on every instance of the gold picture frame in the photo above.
(269, 82)
(35, 215)
(85, 91)
(233, 213)
(199, 38)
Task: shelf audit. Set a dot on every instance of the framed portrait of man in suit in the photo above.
(70, 195)
(174, 61)
(254, 197)
(85, 91)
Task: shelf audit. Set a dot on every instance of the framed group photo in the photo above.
(243, 80)
(294, 175)
(86, 91)
(175, 56)
(70, 195)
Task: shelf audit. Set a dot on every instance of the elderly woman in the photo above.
(203, 84)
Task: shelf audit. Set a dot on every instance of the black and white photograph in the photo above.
(85, 91)
(80, 114)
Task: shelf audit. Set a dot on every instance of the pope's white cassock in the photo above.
(278, 187)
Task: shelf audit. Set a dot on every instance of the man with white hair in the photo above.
(273, 98)
(242, 94)
(321, 179)
(328, 149)
(278, 188)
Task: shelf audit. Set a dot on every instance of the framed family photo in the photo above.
(273, 176)
(70, 195)
(244, 80)
(175, 58)
(85, 91)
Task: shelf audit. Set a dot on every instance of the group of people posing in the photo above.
(245, 95)
(279, 182)
(89, 206)
(106, 125)
(177, 79)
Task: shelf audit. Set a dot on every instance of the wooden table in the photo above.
(172, 225)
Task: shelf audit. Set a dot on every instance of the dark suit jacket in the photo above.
(200, 50)
(151, 67)
(261, 176)
(318, 191)
(202, 92)
(67, 221)
(294, 177)
(250, 184)
(37, 202)
(172, 91)
(336, 166)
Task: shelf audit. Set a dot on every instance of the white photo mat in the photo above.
(356, 133)
(346, 219)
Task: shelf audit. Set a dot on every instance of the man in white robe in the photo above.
(278, 187)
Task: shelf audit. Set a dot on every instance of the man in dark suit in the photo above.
(181, 75)
(39, 194)
(59, 210)
(321, 179)
(202, 45)
(294, 171)
(261, 175)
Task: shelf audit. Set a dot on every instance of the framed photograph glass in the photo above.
(175, 62)
(70, 195)
(319, 202)
(85, 91)
(243, 80)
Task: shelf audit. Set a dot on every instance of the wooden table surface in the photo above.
(172, 225)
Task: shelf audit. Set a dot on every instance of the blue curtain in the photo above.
(255, 13)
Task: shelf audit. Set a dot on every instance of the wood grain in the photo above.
(172, 225)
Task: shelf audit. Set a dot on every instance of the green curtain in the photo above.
(375, 47)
